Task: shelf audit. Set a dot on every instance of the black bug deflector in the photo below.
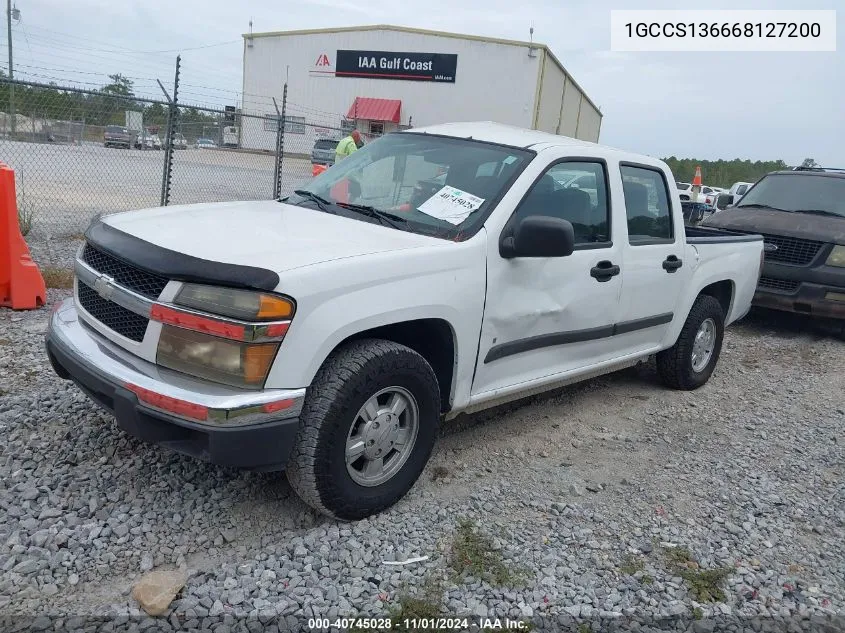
(174, 265)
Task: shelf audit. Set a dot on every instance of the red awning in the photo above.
(375, 109)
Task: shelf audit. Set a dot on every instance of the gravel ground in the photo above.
(603, 503)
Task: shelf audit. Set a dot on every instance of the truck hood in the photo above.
(802, 225)
(268, 235)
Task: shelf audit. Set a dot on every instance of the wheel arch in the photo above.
(432, 338)
(723, 291)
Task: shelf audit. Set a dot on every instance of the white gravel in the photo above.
(581, 490)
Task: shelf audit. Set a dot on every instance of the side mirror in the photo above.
(539, 236)
(724, 200)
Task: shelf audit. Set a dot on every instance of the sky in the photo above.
(707, 105)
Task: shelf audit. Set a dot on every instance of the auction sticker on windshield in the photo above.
(451, 205)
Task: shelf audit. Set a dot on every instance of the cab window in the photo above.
(576, 192)
(646, 205)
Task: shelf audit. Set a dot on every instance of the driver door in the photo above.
(546, 316)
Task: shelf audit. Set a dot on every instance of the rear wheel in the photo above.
(690, 362)
(367, 429)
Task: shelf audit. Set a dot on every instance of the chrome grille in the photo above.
(116, 317)
(783, 285)
(144, 283)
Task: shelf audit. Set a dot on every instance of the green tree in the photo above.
(722, 173)
(120, 86)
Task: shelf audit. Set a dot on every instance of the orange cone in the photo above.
(696, 181)
(316, 170)
(21, 284)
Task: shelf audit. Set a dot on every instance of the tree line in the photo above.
(105, 106)
(723, 173)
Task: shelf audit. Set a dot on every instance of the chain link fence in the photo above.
(80, 153)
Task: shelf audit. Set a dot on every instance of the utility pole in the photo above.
(11, 70)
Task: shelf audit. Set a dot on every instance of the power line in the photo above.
(84, 55)
(84, 72)
(135, 51)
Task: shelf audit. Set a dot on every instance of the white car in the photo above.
(329, 333)
(179, 141)
(144, 141)
(739, 189)
(706, 194)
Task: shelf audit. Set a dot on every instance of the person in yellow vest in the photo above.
(348, 145)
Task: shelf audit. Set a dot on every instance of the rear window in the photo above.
(325, 144)
(116, 129)
(741, 189)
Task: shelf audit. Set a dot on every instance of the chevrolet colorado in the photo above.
(329, 333)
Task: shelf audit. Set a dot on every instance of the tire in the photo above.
(350, 377)
(677, 365)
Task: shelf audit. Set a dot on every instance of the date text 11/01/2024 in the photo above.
(414, 624)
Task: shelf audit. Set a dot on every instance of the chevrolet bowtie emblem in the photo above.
(104, 285)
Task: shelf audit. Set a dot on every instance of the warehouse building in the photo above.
(386, 78)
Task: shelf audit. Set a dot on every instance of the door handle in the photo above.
(604, 270)
(672, 263)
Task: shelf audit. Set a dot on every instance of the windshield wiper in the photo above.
(385, 217)
(322, 203)
(755, 205)
(820, 212)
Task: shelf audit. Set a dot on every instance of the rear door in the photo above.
(656, 268)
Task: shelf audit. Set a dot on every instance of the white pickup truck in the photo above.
(436, 271)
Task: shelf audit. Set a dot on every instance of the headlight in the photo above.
(217, 359)
(245, 305)
(836, 257)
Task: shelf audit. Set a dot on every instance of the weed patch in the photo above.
(55, 277)
(26, 219)
(631, 565)
(705, 585)
(473, 554)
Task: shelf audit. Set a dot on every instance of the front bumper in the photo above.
(243, 429)
(807, 290)
(808, 299)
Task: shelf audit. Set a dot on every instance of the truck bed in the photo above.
(708, 235)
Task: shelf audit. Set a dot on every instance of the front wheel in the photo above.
(367, 429)
(689, 363)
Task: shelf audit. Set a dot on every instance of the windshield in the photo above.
(443, 187)
(798, 192)
(325, 144)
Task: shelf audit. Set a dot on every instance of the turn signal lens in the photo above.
(245, 305)
(256, 362)
(272, 308)
(836, 257)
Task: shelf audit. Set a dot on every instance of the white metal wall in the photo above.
(551, 92)
(563, 107)
(589, 123)
(493, 81)
(569, 111)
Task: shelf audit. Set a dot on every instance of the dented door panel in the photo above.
(545, 316)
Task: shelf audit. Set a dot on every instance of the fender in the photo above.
(326, 316)
(714, 264)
